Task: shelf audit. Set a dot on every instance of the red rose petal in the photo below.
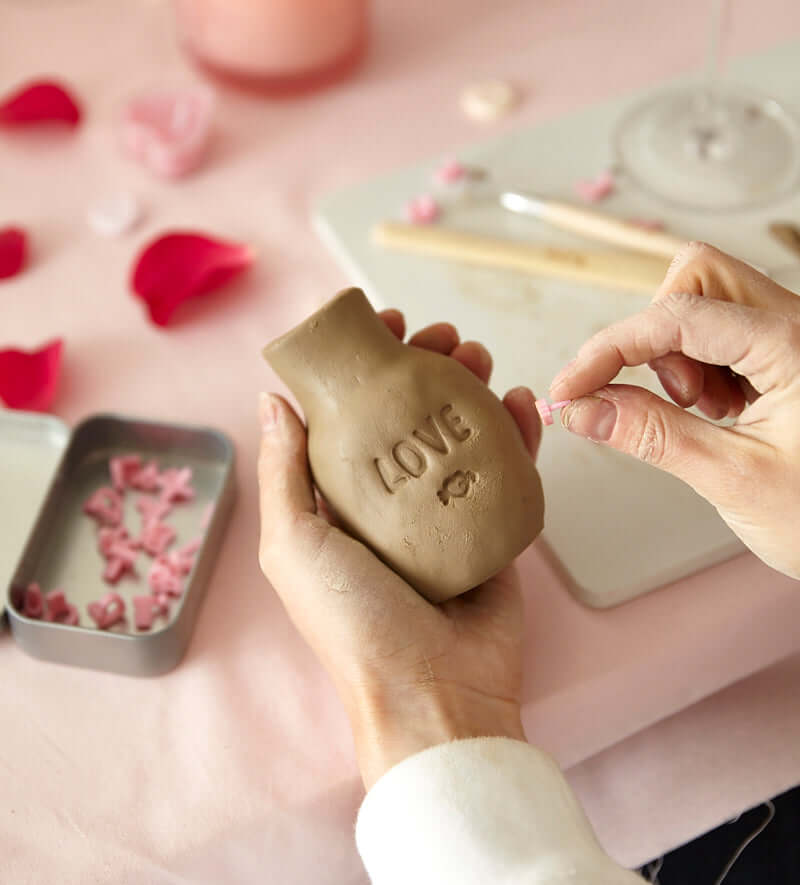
(13, 251)
(29, 379)
(179, 266)
(42, 101)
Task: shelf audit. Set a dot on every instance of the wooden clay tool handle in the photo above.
(614, 270)
(610, 230)
(593, 225)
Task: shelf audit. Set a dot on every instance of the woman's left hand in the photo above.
(410, 674)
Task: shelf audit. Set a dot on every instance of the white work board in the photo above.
(617, 528)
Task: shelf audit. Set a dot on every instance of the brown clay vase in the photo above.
(418, 458)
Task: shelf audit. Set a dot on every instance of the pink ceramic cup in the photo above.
(277, 46)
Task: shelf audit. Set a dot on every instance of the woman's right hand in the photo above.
(725, 338)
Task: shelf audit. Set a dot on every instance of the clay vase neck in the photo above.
(334, 352)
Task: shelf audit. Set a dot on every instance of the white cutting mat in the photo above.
(617, 528)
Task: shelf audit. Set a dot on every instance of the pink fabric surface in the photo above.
(696, 769)
(239, 766)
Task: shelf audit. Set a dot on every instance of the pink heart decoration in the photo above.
(167, 131)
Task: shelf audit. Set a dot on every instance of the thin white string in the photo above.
(652, 870)
(757, 832)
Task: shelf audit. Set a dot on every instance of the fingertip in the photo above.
(521, 403)
(712, 407)
(284, 479)
(283, 434)
(559, 385)
(475, 357)
(439, 337)
(396, 322)
(267, 412)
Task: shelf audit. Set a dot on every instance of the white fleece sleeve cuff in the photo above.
(485, 811)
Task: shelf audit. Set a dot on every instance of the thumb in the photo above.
(284, 479)
(713, 460)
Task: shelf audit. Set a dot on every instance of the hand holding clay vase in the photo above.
(419, 459)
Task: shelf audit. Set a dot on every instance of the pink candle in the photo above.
(278, 46)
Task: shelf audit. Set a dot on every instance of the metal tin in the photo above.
(61, 550)
(31, 446)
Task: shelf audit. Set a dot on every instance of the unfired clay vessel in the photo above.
(418, 458)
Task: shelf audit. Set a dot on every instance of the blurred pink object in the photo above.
(33, 602)
(422, 210)
(593, 190)
(546, 409)
(275, 46)
(167, 131)
(145, 610)
(107, 611)
(449, 172)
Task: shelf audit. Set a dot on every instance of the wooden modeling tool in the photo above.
(593, 225)
(614, 270)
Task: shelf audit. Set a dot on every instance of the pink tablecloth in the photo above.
(238, 766)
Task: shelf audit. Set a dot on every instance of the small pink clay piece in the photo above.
(546, 409)
(115, 569)
(59, 610)
(33, 604)
(113, 536)
(124, 551)
(105, 505)
(162, 602)
(56, 604)
(450, 172)
(167, 130)
(152, 509)
(593, 190)
(145, 610)
(190, 548)
(181, 561)
(156, 537)
(70, 616)
(146, 479)
(122, 469)
(107, 611)
(176, 485)
(422, 210)
(163, 578)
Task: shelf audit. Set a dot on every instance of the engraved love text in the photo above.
(409, 458)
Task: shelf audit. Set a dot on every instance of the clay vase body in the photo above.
(418, 458)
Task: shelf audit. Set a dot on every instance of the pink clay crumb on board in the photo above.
(450, 172)
(594, 190)
(422, 209)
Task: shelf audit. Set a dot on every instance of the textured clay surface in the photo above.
(419, 459)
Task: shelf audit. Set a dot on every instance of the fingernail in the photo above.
(591, 417)
(673, 384)
(268, 412)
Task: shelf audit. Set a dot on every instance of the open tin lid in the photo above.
(31, 445)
